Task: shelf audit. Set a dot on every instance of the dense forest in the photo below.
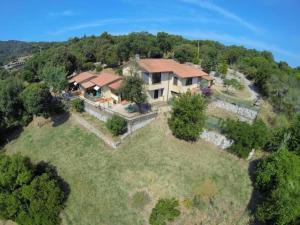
(277, 81)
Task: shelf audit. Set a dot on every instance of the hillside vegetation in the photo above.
(13, 49)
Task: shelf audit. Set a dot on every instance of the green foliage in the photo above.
(245, 136)
(88, 66)
(188, 116)
(233, 83)
(117, 125)
(11, 108)
(277, 178)
(99, 68)
(78, 105)
(27, 195)
(223, 68)
(185, 53)
(286, 137)
(55, 77)
(36, 99)
(133, 90)
(164, 211)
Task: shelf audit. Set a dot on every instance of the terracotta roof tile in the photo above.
(170, 65)
(105, 78)
(87, 84)
(116, 85)
(82, 77)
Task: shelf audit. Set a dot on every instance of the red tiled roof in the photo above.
(87, 84)
(82, 77)
(169, 65)
(116, 85)
(105, 78)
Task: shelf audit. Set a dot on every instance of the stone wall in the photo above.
(244, 114)
(216, 138)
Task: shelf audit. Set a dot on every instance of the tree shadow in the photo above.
(10, 135)
(255, 196)
(45, 167)
(59, 119)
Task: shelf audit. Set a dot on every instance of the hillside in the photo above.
(105, 182)
(14, 49)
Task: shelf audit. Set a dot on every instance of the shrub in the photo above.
(188, 116)
(117, 125)
(234, 83)
(78, 105)
(27, 195)
(207, 92)
(245, 136)
(88, 66)
(99, 68)
(164, 211)
(277, 178)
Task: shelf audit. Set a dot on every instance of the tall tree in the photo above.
(133, 90)
(55, 77)
(36, 99)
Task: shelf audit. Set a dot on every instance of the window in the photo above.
(189, 81)
(158, 93)
(156, 78)
(175, 81)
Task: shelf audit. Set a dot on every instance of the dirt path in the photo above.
(95, 131)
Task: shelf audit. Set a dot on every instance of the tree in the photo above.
(188, 116)
(117, 125)
(78, 105)
(11, 107)
(222, 69)
(165, 210)
(36, 99)
(164, 43)
(245, 136)
(185, 53)
(293, 142)
(277, 178)
(133, 90)
(55, 77)
(27, 196)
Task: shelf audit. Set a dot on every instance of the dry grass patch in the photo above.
(104, 181)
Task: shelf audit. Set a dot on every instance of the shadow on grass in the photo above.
(59, 119)
(45, 167)
(255, 196)
(10, 135)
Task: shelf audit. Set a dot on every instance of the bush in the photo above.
(27, 195)
(234, 83)
(188, 116)
(88, 66)
(78, 105)
(245, 136)
(99, 68)
(164, 211)
(117, 125)
(277, 178)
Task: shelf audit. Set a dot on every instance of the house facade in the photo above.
(97, 87)
(166, 78)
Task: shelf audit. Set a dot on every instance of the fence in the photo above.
(133, 123)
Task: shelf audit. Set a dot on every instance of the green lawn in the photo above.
(120, 187)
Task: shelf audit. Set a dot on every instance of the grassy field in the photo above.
(120, 187)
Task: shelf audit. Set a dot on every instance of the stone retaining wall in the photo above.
(245, 114)
(216, 139)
